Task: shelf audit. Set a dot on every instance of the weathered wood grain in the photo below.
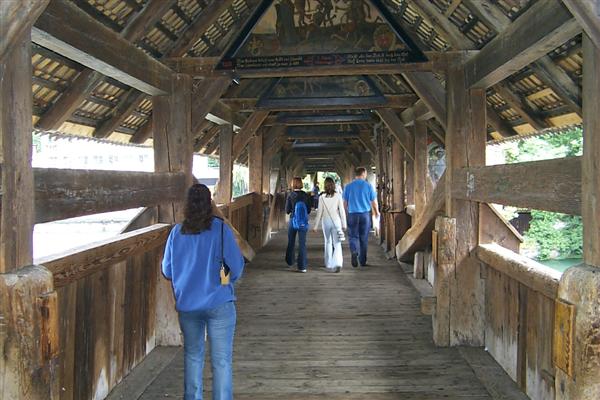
(64, 193)
(552, 185)
(224, 186)
(375, 345)
(465, 147)
(17, 216)
(419, 234)
(16, 18)
(396, 127)
(543, 27)
(26, 374)
(86, 260)
(520, 268)
(247, 131)
(69, 31)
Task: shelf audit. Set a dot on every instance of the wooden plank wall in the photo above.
(106, 325)
(519, 322)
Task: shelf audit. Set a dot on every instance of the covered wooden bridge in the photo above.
(290, 88)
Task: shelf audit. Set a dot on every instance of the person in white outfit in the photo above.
(333, 217)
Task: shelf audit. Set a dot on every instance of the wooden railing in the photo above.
(519, 320)
(105, 305)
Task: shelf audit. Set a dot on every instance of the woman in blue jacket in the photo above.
(192, 261)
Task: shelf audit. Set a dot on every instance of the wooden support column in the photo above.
(444, 248)
(420, 170)
(255, 163)
(16, 104)
(409, 179)
(28, 307)
(398, 199)
(465, 147)
(224, 188)
(577, 355)
(171, 119)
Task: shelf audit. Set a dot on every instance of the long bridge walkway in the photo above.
(358, 334)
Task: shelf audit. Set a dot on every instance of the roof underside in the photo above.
(524, 102)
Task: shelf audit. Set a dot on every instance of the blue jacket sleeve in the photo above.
(232, 254)
(166, 262)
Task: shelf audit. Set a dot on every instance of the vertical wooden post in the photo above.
(256, 217)
(28, 310)
(223, 195)
(16, 105)
(580, 286)
(420, 170)
(445, 229)
(409, 179)
(255, 162)
(398, 177)
(465, 147)
(173, 152)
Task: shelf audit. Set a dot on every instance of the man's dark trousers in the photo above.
(359, 225)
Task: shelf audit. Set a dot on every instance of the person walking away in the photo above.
(315, 192)
(333, 216)
(360, 200)
(297, 206)
(198, 255)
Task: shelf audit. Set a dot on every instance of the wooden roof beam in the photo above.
(543, 27)
(208, 16)
(430, 91)
(587, 13)
(200, 67)
(396, 127)
(520, 106)
(545, 69)
(66, 29)
(249, 129)
(88, 79)
(450, 31)
(16, 17)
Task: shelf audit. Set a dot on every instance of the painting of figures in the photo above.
(296, 27)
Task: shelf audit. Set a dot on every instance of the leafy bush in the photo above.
(553, 235)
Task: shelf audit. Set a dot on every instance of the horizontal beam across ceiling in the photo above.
(67, 30)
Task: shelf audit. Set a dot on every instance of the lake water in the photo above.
(562, 265)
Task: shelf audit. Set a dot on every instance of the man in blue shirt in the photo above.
(360, 199)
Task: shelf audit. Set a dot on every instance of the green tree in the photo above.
(554, 235)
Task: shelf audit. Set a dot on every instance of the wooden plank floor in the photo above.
(353, 335)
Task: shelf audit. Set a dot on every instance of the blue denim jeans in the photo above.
(220, 324)
(291, 247)
(359, 225)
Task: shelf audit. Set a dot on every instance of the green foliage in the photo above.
(553, 235)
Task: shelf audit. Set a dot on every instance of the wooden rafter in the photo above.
(88, 79)
(16, 18)
(545, 69)
(543, 27)
(520, 106)
(67, 30)
(587, 13)
(396, 127)
(247, 131)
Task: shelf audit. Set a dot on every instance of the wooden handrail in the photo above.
(80, 262)
(530, 273)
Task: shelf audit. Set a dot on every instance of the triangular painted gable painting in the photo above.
(309, 33)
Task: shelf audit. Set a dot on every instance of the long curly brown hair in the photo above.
(198, 210)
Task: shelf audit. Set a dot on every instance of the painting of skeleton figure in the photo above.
(294, 27)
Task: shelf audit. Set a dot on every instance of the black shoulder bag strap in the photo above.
(224, 270)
